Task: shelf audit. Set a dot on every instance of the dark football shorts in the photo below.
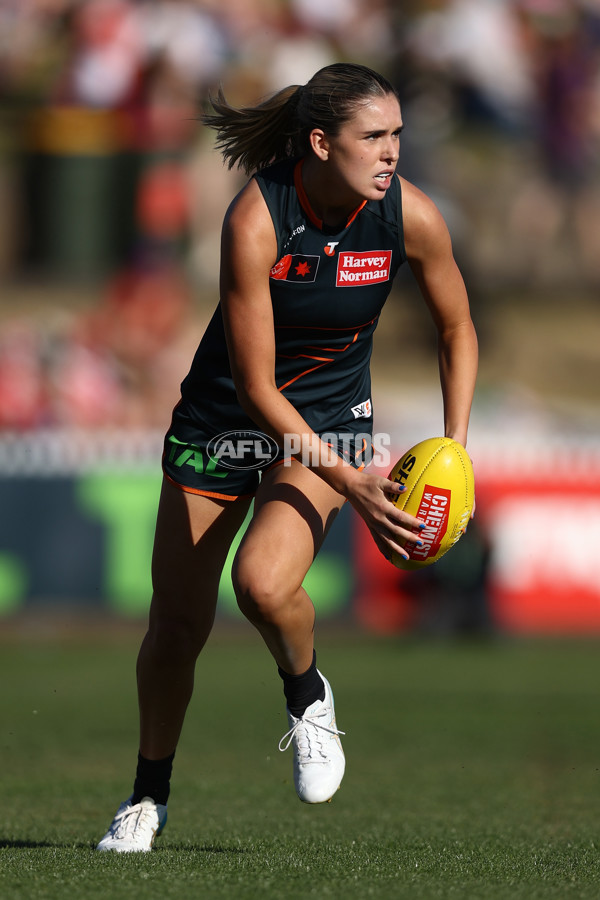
(229, 465)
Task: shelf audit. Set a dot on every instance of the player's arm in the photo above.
(429, 251)
(248, 252)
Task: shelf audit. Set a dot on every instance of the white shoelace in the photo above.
(129, 819)
(306, 731)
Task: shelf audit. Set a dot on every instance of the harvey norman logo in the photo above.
(363, 268)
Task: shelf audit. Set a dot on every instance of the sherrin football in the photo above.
(440, 490)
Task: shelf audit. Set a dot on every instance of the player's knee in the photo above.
(260, 593)
(178, 637)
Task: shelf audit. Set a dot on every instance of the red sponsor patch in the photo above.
(356, 269)
(434, 510)
(281, 268)
(295, 267)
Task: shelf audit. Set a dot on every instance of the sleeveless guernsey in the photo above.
(328, 288)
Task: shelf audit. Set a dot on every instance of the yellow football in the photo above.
(440, 490)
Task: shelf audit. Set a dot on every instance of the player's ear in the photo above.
(319, 143)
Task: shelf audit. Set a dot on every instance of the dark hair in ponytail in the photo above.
(279, 127)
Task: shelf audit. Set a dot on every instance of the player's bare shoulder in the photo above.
(248, 222)
(425, 230)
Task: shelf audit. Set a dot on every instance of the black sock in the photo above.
(152, 779)
(302, 690)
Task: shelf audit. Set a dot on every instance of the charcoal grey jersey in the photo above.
(328, 288)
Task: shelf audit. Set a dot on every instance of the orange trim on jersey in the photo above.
(306, 372)
(323, 359)
(212, 494)
(361, 452)
(355, 213)
(335, 349)
(317, 358)
(305, 202)
(356, 455)
(281, 462)
(328, 327)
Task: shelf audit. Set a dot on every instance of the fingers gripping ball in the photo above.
(440, 490)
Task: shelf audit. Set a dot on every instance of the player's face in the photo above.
(363, 156)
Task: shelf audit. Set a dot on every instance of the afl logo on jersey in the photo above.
(295, 267)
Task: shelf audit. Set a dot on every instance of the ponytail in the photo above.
(279, 127)
(253, 137)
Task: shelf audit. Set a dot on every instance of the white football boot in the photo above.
(319, 761)
(134, 828)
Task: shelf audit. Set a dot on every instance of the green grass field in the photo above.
(473, 771)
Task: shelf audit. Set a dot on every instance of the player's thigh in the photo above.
(193, 536)
(293, 512)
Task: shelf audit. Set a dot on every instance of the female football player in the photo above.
(277, 404)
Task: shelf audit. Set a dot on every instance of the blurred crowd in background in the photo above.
(109, 184)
